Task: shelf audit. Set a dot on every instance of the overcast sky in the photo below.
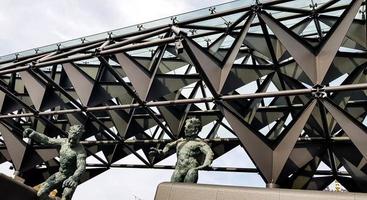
(29, 24)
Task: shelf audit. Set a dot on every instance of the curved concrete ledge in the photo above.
(13, 190)
(182, 191)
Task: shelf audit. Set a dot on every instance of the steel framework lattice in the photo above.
(285, 79)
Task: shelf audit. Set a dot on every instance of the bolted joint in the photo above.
(16, 56)
(97, 52)
(143, 104)
(179, 46)
(318, 91)
(84, 108)
(109, 35)
(218, 99)
(140, 27)
(212, 10)
(176, 30)
(135, 92)
(36, 114)
(32, 65)
(314, 14)
(313, 6)
(174, 19)
(193, 31)
(256, 8)
(228, 24)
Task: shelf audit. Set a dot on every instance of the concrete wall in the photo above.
(181, 191)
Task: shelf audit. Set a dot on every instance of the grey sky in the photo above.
(29, 24)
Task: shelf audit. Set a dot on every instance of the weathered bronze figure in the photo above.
(72, 161)
(190, 150)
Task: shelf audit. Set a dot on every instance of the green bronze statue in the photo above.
(72, 161)
(190, 151)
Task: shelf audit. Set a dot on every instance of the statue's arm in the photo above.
(72, 181)
(209, 155)
(81, 164)
(41, 138)
(169, 146)
(165, 149)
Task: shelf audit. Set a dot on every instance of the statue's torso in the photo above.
(188, 152)
(68, 158)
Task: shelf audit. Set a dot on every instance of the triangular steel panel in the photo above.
(104, 75)
(35, 88)
(334, 39)
(204, 61)
(16, 146)
(244, 74)
(175, 115)
(89, 92)
(286, 144)
(8, 105)
(269, 161)
(22, 155)
(214, 46)
(314, 64)
(216, 72)
(120, 119)
(301, 165)
(41, 95)
(354, 163)
(166, 84)
(137, 74)
(47, 154)
(232, 55)
(355, 32)
(255, 146)
(356, 131)
(302, 54)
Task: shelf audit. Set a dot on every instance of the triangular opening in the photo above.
(170, 160)
(322, 166)
(132, 159)
(93, 160)
(223, 132)
(335, 186)
(236, 157)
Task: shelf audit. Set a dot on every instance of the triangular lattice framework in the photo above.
(282, 80)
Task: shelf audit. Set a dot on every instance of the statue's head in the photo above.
(74, 134)
(192, 127)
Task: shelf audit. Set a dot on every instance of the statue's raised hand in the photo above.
(27, 132)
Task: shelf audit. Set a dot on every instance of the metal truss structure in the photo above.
(285, 79)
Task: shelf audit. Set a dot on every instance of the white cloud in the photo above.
(30, 24)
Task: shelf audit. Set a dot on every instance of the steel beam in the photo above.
(351, 87)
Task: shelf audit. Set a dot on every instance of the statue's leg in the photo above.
(191, 176)
(50, 184)
(177, 176)
(67, 193)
